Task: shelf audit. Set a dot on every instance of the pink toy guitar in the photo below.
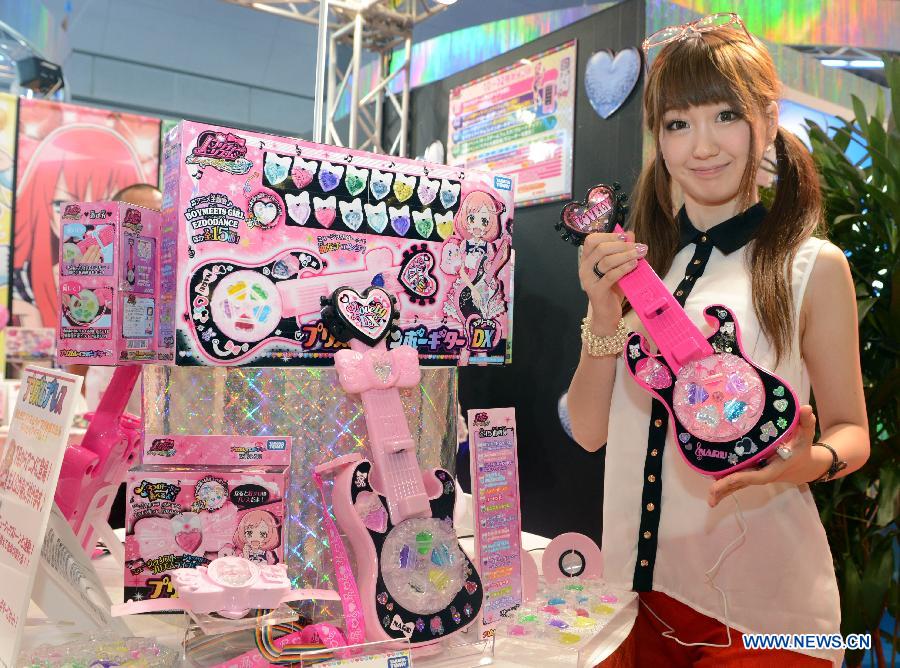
(92, 471)
(415, 581)
(236, 307)
(727, 413)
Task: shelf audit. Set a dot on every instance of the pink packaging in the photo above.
(184, 518)
(109, 285)
(218, 450)
(266, 226)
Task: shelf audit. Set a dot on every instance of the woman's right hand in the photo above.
(613, 255)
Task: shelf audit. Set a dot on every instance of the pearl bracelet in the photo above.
(603, 346)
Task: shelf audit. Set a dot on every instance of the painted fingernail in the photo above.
(623, 237)
(641, 249)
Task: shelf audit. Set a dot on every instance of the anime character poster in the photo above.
(7, 152)
(66, 152)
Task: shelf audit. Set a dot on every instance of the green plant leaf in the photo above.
(888, 495)
(876, 581)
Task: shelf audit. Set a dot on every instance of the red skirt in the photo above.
(645, 647)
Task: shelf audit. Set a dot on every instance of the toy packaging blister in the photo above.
(109, 285)
(266, 226)
(179, 517)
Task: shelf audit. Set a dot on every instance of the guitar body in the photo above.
(726, 412)
(414, 580)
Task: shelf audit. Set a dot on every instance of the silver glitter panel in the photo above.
(309, 405)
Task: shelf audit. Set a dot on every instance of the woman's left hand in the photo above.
(798, 468)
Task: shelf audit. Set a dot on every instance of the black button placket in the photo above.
(651, 499)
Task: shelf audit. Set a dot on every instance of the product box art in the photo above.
(181, 517)
(267, 226)
(116, 285)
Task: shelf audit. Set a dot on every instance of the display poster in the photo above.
(67, 153)
(520, 121)
(495, 503)
(29, 468)
(7, 161)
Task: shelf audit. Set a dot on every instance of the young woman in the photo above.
(747, 553)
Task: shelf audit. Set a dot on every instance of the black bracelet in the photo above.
(837, 464)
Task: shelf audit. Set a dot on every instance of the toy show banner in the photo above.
(495, 501)
(29, 468)
(520, 121)
(67, 153)
(267, 226)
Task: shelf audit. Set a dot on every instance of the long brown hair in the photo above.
(710, 68)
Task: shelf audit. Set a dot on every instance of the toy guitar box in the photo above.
(115, 285)
(266, 226)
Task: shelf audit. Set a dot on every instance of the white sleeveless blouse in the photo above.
(780, 579)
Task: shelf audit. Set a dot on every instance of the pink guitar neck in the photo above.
(677, 338)
(393, 450)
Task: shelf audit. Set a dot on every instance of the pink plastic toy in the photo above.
(414, 580)
(727, 413)
(230, 587)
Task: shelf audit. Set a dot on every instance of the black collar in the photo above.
(728, 236)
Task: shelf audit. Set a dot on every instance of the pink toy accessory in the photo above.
(230, 587)
(92, 471)
(727, 413)
(414, 580)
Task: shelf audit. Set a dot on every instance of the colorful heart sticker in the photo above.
(400, 219)
(404, 186)
(376, 216)
(380, 183)
(352, 214)
(427, 190)
(303, 171)
(356, 180)
(444, 224)
(298, 207)
(276, 168)
(449, 193)
(330, 176)
(424, 223)
(595, 214)
(368, 315)
(324, 209)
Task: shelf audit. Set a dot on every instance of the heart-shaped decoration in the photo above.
(376, 216)
(367, 315)
(746, 445)
(708, 416)
(325, 210)
(416, 275)
(778, 391)
(696, 394)
(380, 183)
(733, 409)
(609, 81)
(265, 210)
(330, 176)
(427, 190)
(356, 180)
(767, 431)
(653, 374)
(404, 186)
(780, 405)
(471, 587)
(400, 219)
(302, 172)
(298, 207)
(188, 540)
(372, 511)
(276, 168)
(424, 223)
(352, 214)
(736, 384)
(449, 193)
(444, 224)
(592, 215)
(684, 437)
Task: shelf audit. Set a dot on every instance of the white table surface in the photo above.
(170, 629)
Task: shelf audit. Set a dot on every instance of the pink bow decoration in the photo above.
(377, 369)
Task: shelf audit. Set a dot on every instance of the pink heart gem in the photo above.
(325, 217)
(188, 540)
(301, 177)
(653, 374)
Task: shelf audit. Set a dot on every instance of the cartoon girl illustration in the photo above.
(477, 260)
(80, 161)
(210, 494)
(256, 537)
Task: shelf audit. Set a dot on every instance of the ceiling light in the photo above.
(834, 62)
(868, 64)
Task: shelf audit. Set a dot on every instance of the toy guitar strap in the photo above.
(414, 580)
(727, 413)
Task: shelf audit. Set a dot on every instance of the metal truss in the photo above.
(379, 27)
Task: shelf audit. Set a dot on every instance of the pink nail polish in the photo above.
(623, 237)
(641, 249)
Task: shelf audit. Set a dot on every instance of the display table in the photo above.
(169, 629)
